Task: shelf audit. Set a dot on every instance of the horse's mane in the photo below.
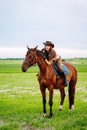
(39, 52)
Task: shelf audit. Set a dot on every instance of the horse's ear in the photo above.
(35, 48)
(28, 47)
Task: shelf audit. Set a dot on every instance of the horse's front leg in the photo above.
(43, 91)
(62, 92)
(50, 101)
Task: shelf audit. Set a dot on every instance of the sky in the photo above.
(32, 22)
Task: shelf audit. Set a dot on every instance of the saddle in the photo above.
(65, 69)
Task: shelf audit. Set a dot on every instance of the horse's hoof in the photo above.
(72, 107)
(50, 116)
(43, 114)
(59, 109)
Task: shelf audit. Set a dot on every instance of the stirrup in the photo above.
(57, 78)
(36, 74)
(66, 83)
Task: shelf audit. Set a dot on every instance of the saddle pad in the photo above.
(66, 71)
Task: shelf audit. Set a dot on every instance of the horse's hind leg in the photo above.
(71, 95)
(62, 92)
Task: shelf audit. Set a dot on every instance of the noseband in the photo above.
(30, 63)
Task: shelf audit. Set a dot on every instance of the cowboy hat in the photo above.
(48, 43)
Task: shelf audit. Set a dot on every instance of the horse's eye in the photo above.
(30, 56)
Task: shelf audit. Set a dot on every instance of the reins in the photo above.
(42, 55)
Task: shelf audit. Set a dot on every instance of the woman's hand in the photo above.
(48, 62)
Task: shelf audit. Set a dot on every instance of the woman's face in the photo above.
(47, 48)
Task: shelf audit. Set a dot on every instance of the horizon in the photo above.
(20, 52)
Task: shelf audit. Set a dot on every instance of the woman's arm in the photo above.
(53, 59)
(48, 62)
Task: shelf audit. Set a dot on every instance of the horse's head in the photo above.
(30, 58)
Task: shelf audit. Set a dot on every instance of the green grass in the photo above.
(21, 100)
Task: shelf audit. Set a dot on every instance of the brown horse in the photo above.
(47, 79)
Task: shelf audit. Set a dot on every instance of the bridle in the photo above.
(34, 58)
(30, 63)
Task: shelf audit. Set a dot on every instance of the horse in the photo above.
(47, 79)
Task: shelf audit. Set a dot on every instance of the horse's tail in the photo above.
(72, 87)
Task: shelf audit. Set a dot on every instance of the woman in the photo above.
(52, 56)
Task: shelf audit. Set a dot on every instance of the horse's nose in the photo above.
(23, 69)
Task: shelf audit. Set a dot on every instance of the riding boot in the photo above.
(36, 74)
(64, 79)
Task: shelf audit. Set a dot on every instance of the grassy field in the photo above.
(21, 101)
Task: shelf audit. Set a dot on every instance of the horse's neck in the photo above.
(42, 64)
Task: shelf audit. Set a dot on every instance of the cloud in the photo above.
(12, 52)
(72, 53)
(64, 22)
(20, 52)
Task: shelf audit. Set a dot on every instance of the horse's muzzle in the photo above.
(23, 69)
